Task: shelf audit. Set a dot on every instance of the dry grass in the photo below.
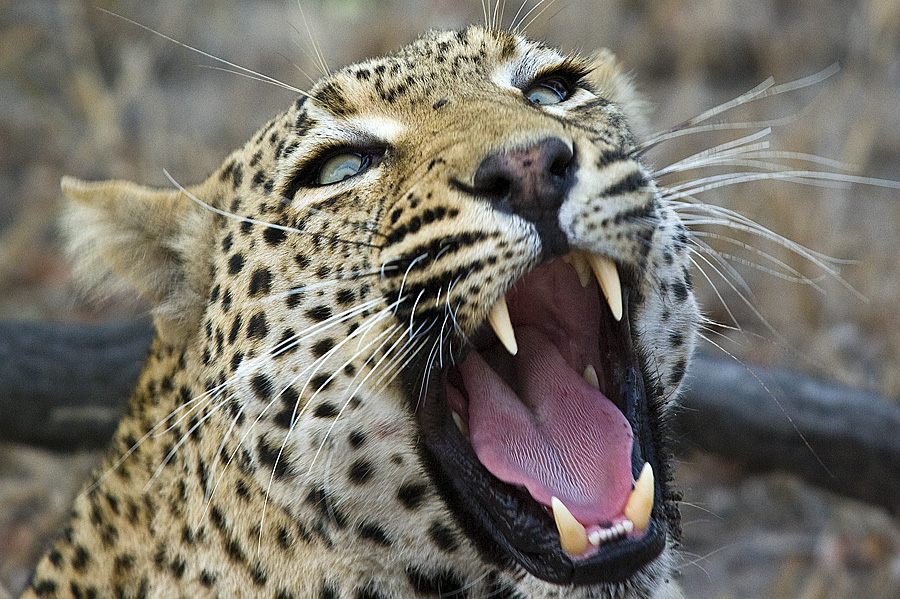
(87, 94)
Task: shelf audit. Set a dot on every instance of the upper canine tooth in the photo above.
(499, 319)
(608, 277)
(640, 503)
(572, 536)
(590, 375)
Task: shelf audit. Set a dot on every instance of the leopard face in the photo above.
(428, 321)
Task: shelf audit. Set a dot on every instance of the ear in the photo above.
(618, 87)
(156, 241)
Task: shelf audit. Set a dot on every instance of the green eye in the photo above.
(342, 166)
(552, 90)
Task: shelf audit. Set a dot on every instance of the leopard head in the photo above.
(440, 310)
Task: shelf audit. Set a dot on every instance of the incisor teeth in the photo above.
(605, 534)
(640, 503)
(572, 536)
(579, 262)
(608, 277)
(590, 375)
(499, 319)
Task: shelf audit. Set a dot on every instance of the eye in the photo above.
(342, 166)
(551, 90)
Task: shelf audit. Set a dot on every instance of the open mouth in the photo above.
(540, 438)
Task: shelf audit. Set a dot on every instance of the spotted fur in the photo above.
(271, 447)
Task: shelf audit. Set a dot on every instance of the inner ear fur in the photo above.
(618, 86)
(156, 241)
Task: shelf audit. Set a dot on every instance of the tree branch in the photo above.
(66, 385)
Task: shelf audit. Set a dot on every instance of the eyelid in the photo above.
(572, 72)
(305, 172)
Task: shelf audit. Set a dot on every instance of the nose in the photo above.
(531, 182)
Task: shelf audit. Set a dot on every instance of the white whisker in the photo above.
(239, 68)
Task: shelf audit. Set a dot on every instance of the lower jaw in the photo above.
(513, 531)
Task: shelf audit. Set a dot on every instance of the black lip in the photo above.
(509, 527)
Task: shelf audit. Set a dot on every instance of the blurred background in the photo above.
(88, 94)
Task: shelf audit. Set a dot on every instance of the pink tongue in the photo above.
(559, 437)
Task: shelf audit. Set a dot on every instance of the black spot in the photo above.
(81, 559)
(236, 263)
(676, 339)
(216, 517)
(235, 328)
(207, 578)
(443, 537)
(440, 103)
(55, 558)
(273, 458)
(368, 592)
(187, 535)
(322, 347)
(360, 472)
(236, 360)
(257, 327)
(677, 373)
(679, 291)
(294, 297)
(345, 297)
(178, 567)
(274, 235)
(321, 382)
(262, 386)
(302, 261)
(502, 590)
(320, 498)
(241, 490)
(246, 227)
(326, 410)
(328, 591)
(44, 588)
(203, 474)
(260, 282)
(372, 532)
(411, 495)
(288, 342)
(258, 575)
(319, 313)
(357, 438)
(234, 550)
(226, 300)
(258, 178)
(442, 583)
(289, 401)
(227, 243)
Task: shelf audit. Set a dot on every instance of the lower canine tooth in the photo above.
(590, 375)
(640, 503)
(572, 536)
(499, 319)
(462, 426)
(608, 277)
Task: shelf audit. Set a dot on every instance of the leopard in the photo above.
(420, 337)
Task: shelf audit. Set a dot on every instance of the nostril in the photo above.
(561, 166)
